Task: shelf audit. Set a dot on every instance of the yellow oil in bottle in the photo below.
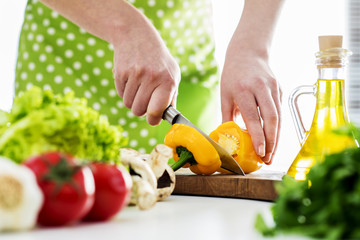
(330, 110)
(330, 114)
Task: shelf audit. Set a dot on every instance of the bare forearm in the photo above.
(248, 85)
(147, 86)
(101, 18)
(256, 27)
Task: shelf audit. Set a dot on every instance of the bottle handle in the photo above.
(294, 109)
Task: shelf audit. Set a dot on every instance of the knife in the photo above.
(172, 116)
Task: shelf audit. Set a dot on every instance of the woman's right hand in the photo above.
(146, 75)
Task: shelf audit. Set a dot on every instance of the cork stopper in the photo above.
(330, 41)
(331, 54)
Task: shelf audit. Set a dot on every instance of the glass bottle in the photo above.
(330, 111)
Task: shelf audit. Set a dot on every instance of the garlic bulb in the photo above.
(20, 196)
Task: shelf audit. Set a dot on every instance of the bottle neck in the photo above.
(330, 111)
(331, 73)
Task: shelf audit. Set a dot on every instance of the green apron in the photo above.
(55, 53)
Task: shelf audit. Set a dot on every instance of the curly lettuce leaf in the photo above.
(41, 121)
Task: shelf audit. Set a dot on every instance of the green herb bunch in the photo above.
(41, 121)
(325, 206)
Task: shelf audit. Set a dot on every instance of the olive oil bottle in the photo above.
(330, 111)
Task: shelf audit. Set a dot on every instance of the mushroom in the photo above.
(165, 175)
(143, 193)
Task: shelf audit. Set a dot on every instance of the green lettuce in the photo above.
(41, 121)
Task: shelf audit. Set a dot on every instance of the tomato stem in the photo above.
(61, 173)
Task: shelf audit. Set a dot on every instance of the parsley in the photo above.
(329, 208)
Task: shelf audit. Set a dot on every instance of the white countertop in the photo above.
(178, 217)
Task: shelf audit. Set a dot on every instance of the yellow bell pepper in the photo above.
(191, 149)
(237, 142)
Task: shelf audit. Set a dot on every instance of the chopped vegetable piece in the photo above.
(237, 142)
(165, 175)
(144, 193)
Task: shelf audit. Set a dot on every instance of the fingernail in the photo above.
(261, 150)
(268, 159)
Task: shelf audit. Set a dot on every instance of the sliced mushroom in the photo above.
(158, 160)
(144, 193)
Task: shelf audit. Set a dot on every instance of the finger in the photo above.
(248, 109)
(227, 108)
(141, 100)
(120, 87)
(277, 96)
(121, 78)
(280, 93)
(131, 88)
(174, 99)
(159, 101)
(269, 115)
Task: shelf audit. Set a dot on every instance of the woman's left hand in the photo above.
(249, 88)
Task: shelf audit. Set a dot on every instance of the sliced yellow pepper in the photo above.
(237, 142)
(193, 150)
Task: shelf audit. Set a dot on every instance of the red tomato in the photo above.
(68, 188)
(113, 190)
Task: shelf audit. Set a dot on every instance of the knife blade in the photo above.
(173, 116)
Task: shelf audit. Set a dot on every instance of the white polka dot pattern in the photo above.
(56, 54)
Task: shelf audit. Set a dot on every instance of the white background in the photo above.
(292, 57)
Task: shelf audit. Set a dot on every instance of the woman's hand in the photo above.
(146, 75)
(249, 88)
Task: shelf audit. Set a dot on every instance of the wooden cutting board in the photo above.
(258, 185)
